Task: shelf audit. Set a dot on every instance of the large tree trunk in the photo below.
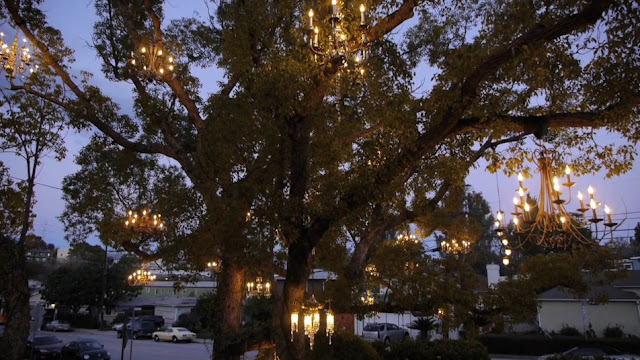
(14, 288)
(227, 343)
(293, 296)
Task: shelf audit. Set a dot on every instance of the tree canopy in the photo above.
(294, 153)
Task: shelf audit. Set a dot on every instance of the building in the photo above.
(41, 255)
(560, 308)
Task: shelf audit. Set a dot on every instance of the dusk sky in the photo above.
(75, 20)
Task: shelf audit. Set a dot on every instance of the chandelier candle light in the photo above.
(337, 47)
(140, 277)
(16, 60)
(258, 288)
(152, 62)
(147, 223)
(553, 226)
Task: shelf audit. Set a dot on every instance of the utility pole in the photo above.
(104, 286)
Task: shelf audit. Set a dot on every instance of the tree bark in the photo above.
(293, 296)
(14, 288)
(226, 341)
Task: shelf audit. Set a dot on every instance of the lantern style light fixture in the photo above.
(337, 42)
(147, 223)
(16, 60)
(548, 223)
(368, 299)
(311, 320)
(140, 277)
(258, 288)
(152, 61)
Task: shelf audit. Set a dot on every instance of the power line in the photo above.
(37, 183)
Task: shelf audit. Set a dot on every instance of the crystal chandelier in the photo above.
(368, 299)
(335, 44)
(311, 320)
(147, 223)
(16, 60)
(152, 62)
(258, 288)
(140, 277)
(548, 223)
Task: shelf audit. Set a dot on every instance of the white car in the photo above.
(175, 334)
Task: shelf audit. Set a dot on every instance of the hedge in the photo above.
(540, 344)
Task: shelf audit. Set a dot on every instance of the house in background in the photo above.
(41, 255)
(560, 308)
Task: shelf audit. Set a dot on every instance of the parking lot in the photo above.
(143, 349)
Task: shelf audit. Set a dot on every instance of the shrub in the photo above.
(120, 318)
(456, 349)
(569, 331)
(343, 347)
(402, 350)
(613, 332)
(189, 320)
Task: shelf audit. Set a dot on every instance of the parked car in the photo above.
(57, 325)
(117, 326)
(591, 351)
(84, 349)
(157, 319)
(175, 334)
(138, 329)
(43, 347)
(384, 332)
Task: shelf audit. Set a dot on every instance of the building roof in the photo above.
(631, 281)
(560, 293)
(173, 301)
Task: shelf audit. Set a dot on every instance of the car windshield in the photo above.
(373, 327)
(89, 345)
(46, 340)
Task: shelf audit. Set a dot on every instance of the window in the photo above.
(147, 289)
(184, 291)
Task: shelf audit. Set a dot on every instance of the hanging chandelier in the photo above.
(140, 277)
(368, 299)
(258, 288)
(336, 43)
(453, 246)
(147, 223)
(405, 239)
(16, 60)
(311, 320)
(152, 62)
(547, 222)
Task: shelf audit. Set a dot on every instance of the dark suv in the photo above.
(139, 328)
(157, 319)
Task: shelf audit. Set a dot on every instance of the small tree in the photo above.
(424, 325)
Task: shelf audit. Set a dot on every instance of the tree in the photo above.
(305, 150)
(30, 128)
(81, 285)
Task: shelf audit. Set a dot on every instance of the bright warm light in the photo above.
(521, 192)
(499, 215)
(362, 8)
(607, 210)
(516, 221)
(505, 261)
(505, 242)
(516, 201)
(527, 207)
(507, 252)
(593, 204)
(567, 170)
(579, 195)
(590, 190)
(520, 176)
(334, 2)
(563, 219)
(311, 13)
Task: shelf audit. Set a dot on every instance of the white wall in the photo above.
(401, 319)
(553, 315)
